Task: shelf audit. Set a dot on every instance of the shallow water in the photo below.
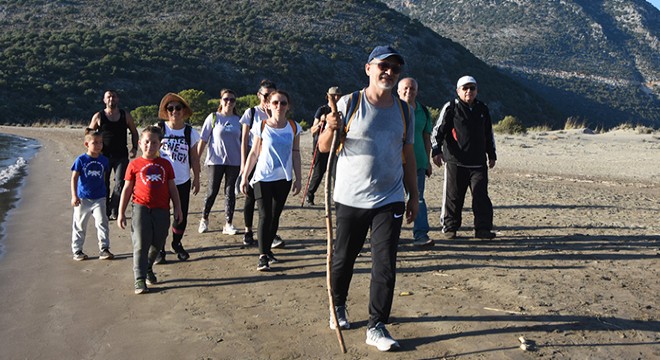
(15, 155)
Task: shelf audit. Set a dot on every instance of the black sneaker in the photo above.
(181, 253)
(484, 234)
(160, 258)
(248, 238)
(79, 256)
(277, 243)
(141, 287)
(105, 254)
(310, 200)
(151, 278)
(263, 263)
(272, 259)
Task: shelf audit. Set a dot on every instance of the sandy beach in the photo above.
(574, 269)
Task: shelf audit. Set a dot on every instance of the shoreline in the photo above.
(14, 177)
(574, 268)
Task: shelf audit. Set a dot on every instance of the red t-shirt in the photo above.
(151, 182)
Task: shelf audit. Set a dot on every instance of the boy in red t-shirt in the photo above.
(150, 180)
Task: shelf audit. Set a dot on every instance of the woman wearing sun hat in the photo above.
(179, 146)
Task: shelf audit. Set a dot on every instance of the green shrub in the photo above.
(510, 125)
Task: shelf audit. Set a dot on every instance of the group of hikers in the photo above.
(386, 146)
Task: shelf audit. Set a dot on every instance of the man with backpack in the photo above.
(319, 159)
(407, 91)
(461, 139)
(375, 168)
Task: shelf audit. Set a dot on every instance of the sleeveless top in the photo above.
(114, 135)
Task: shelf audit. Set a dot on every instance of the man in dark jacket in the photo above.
(462, 139)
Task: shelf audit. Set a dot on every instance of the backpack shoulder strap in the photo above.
(351, 109)
(405, 116)
(215, 120)
(253, 111)
(187, 133)
(161, 125)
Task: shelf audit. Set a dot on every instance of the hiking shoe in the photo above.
(105, 254)
(151, 278)
(309, 200)
(379, 337)
(203, 226)
(229, 229)
(79, 256)
(141, 287)
(423, 241)
(271, 258)
(484, 234)
(263, 263)
(277, 243)
(181, 253)
(449, 235)
(248, 238)
(341, 318)
(160, 258)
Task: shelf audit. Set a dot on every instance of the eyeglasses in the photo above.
(176, 107)
(281, 103)
(229, 100)
(384, 66)
(471, 88)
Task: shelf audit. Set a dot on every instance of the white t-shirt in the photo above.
(174, 148)
(224, 139)
(275, 160)
(259, 116)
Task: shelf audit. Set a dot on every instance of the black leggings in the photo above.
(178, 228)
(271, 197)
(248, 206)
(216, 173)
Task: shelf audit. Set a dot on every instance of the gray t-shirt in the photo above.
(370, 163)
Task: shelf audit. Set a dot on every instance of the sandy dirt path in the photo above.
(574, 268)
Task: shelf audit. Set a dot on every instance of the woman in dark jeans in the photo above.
(275, 157)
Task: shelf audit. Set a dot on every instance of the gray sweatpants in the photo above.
(149, 229)
(81, 214)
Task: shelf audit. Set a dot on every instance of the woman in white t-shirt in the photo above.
(179, 146)
(222, 131)
(275, 158)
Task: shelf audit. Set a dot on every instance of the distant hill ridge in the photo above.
(594, 59)
(58, 57)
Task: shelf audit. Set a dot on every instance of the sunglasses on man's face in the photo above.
(175, 107)
(384, 66)
(470, 87)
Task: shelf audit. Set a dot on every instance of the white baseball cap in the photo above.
(465, 80)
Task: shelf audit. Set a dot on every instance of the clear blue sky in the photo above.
(655, 3)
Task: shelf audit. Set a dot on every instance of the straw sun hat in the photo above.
(168, 98)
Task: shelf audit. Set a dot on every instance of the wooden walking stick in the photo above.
(332, 158)
(309, 176)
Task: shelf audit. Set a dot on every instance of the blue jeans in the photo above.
(421, 225)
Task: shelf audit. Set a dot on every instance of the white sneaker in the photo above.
(379, 337)
(277, 242)
(229, 229)
(203, 226)
(341, 318)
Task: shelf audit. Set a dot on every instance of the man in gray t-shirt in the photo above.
(375, 169)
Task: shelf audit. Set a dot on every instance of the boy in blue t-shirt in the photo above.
(88, 193)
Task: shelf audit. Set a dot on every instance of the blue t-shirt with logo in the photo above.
(91, 179)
